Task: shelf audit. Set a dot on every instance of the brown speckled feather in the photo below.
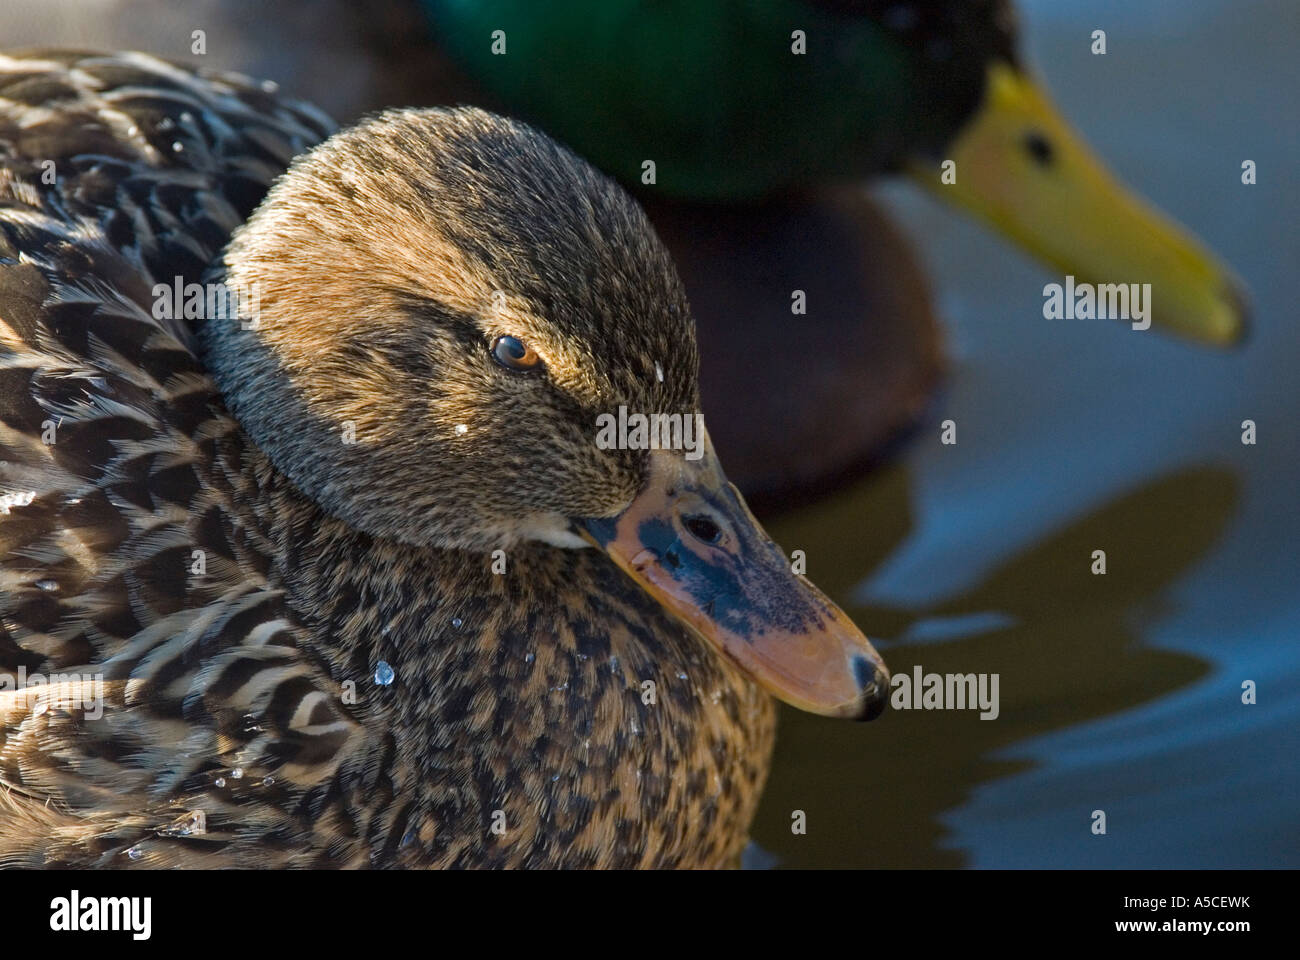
(235, 626)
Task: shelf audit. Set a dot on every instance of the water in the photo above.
(193, 823)
(1121, 692)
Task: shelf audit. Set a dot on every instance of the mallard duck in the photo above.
(733, 101)
(870, 348)
(334, 573)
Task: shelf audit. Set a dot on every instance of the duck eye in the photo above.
(513, 354)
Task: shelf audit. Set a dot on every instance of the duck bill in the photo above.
(691, 543)
(1022, 168)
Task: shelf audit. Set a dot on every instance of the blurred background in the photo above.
(1120, 693)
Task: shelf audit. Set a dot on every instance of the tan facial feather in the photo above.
(387, 261)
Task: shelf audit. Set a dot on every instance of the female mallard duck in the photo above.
(734, 101)
(311, 580)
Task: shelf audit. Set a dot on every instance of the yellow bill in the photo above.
(1021, 167)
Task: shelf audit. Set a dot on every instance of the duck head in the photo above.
(743, 99)
(457, 334)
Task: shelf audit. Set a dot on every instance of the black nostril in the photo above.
(1039, 147)
(702, 527)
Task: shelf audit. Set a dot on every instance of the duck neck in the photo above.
(549, 692)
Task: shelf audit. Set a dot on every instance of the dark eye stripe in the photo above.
(513, 354)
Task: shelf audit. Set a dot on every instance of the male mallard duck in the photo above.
(328, 556)
(734, 101)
